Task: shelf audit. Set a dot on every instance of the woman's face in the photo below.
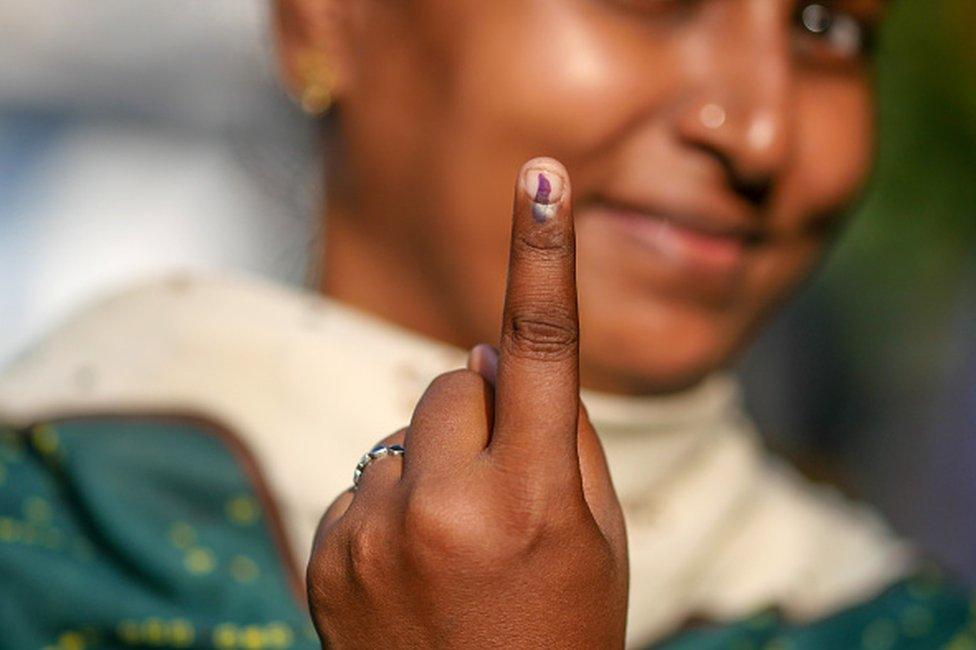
(710, 143)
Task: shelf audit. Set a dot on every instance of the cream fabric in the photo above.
(716, 527)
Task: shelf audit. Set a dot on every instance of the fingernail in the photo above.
(544, 185)
(484, 361)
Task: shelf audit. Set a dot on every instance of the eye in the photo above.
(830, 34)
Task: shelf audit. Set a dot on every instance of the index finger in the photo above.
(537, 391)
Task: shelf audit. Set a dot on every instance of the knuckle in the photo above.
(530, 517)
(541, 509)
(454, 383)
(548, 332)
(446, 532)
(322, 593)
(427, 524)
(443, 531)
(367, 553)
(325, 575)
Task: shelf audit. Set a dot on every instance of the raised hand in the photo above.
(499, 526)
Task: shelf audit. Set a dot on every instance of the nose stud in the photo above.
(712, 116)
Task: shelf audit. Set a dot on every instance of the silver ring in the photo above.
(380, 451)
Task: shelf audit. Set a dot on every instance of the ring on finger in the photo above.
(380, 451)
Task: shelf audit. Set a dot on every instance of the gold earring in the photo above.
(317, 76)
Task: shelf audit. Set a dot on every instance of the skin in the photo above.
(711, 144)
(436, 109)
(477, 536)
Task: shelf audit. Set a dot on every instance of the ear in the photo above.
(309, 39)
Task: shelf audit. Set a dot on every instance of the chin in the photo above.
(659, 354)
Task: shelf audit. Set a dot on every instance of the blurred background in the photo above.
(143, 136)
(138, 136)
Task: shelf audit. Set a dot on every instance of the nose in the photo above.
(740, 108)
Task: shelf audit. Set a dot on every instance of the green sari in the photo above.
(157, 531)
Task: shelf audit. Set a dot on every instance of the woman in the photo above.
(705, 149)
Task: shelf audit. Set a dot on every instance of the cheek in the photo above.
(833, 151)
(531, 79)
(562, 82)
(835, 141)
(558, 83)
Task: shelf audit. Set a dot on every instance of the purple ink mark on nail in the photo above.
(544, 191)
(541, 212)
(541, 209)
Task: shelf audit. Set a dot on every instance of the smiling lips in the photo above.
(686, 242)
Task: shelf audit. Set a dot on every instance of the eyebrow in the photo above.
(864, 9)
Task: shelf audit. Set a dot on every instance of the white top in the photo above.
(717, 528)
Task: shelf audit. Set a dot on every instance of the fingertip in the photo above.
(551, 167)
(545, 182)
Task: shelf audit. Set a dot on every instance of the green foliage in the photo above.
(897, 270)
